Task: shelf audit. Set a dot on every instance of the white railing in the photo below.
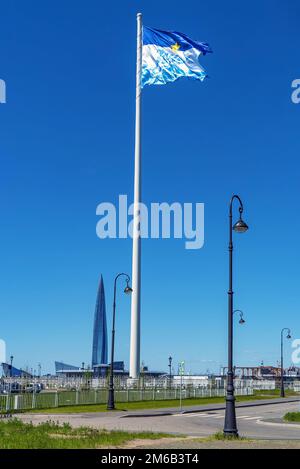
(27, 401)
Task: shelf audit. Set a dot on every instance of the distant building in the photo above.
(198, 381)
(99, 352)
(10, 371)
(60, 367)
(262, 372)
(98, 371)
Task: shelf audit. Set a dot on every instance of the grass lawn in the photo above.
(292, 417)
(159, 404)
(276, 393)
(15, 434)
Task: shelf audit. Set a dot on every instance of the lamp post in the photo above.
(11, 362)
(170, 370)
(127, 290)
(282, 394)
(230, 428)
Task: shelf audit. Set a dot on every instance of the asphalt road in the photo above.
(254, 421)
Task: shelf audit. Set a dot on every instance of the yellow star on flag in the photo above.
(175, 47)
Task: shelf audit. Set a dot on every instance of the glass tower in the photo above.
(99, 355)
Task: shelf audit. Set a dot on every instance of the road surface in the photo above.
(254, 420)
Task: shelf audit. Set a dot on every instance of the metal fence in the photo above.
(295, 386)
(26, 401)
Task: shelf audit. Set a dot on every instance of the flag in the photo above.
(169, 55)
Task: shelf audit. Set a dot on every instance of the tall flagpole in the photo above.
(136, 244)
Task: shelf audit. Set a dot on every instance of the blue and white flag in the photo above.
(169, 55)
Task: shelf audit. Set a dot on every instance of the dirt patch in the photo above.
(150, 443)
(198, 443)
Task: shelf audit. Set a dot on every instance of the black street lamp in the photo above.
(230, 428)
(170, 370)
(282, 394)
(111, 397)
(11, 362)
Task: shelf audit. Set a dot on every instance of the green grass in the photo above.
(140, 405)
(292, 417)
(15, 434)
(276, 393)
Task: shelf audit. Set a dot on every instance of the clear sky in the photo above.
(67, 144)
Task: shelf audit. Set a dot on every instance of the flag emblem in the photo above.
(175, 47)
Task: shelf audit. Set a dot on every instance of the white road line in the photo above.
(216, 416)
(254, 418)
(197, 414)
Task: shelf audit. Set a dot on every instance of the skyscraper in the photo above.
(99, 355)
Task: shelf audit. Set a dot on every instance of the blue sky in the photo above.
(67, 144)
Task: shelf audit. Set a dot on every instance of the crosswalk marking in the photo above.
(216, 416)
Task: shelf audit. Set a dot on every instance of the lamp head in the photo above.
(289, 336)
(242, 321)
(240, 226)
(127, 289)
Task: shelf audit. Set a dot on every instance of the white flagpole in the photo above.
(134, 369)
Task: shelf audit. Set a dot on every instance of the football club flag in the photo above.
(169, 55)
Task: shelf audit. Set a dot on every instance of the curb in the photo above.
(279, 424)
